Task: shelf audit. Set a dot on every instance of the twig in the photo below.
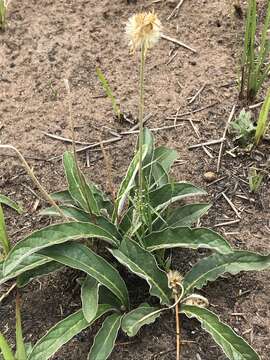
(56, 137)
(231, 205)
(224, 137)
(197, 94)
(175, 41)
(8, 292)
(171, 58)
(175, 10)
(91, 146)
(192, 112)
(136, 126)
(153, 129)
(211, 142)
(255, 105)
(199, 137)
(216, 181)
(30, 172)
(227, 223)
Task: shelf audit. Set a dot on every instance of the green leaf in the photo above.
(169, 193)
(79, 190)
(10, 203)
(89, 296)
(105, 338)
(69, 211)
(210, 268)
(52, 235)
(63, 197)
(165, 157)
(31, 262)
(20, 347)
(235, 347)
(263, 119)
(185, 237)
(4, 240)
(62, 332)
(42, 270)
(135, 319)
(80, 257)
(6, 349)
(82, 216)
(186, 215)
(128, 183)
(106, 296)
(143, 263)
(159, 174)
(108, 91)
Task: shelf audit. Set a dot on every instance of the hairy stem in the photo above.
(141, 110)
(178, 330)
(30, 172)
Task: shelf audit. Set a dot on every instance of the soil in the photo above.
(47, 41)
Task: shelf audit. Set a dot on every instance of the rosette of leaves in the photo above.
(137, 233)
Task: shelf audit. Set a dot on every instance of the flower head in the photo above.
(174, 280)
(143, 29)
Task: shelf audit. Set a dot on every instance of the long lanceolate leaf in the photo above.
(52, 235)
(82, 216)
(89, 296)
(127, 183)
(39, 271)
(169, 193)
(82, 258)
(79, 190)
(31, 262)
(143, 263)
(235, 347)
(187, 238)
(62, 332)
(12, 204)
(135, 319)
(105, 338)
(185, 215)
(5, 349)
(210, 268)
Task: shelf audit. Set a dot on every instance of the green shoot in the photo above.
(3, 14)
(5, 349)
(254, 179)
(263, 120)
(243, 128)
(21, 352)
(253, 68)
(108, 91)
(4, 240)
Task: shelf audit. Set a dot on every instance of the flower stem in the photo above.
(141, 110)
(178, 334)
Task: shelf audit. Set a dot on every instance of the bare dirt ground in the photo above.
(47, 41)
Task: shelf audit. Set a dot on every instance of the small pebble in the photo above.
(210, 176)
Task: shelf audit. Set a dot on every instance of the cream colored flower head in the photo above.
(143, 29)
(174, 280)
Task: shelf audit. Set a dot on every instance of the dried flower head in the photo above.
(143, 29)
(197, 300)
(174, 280)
